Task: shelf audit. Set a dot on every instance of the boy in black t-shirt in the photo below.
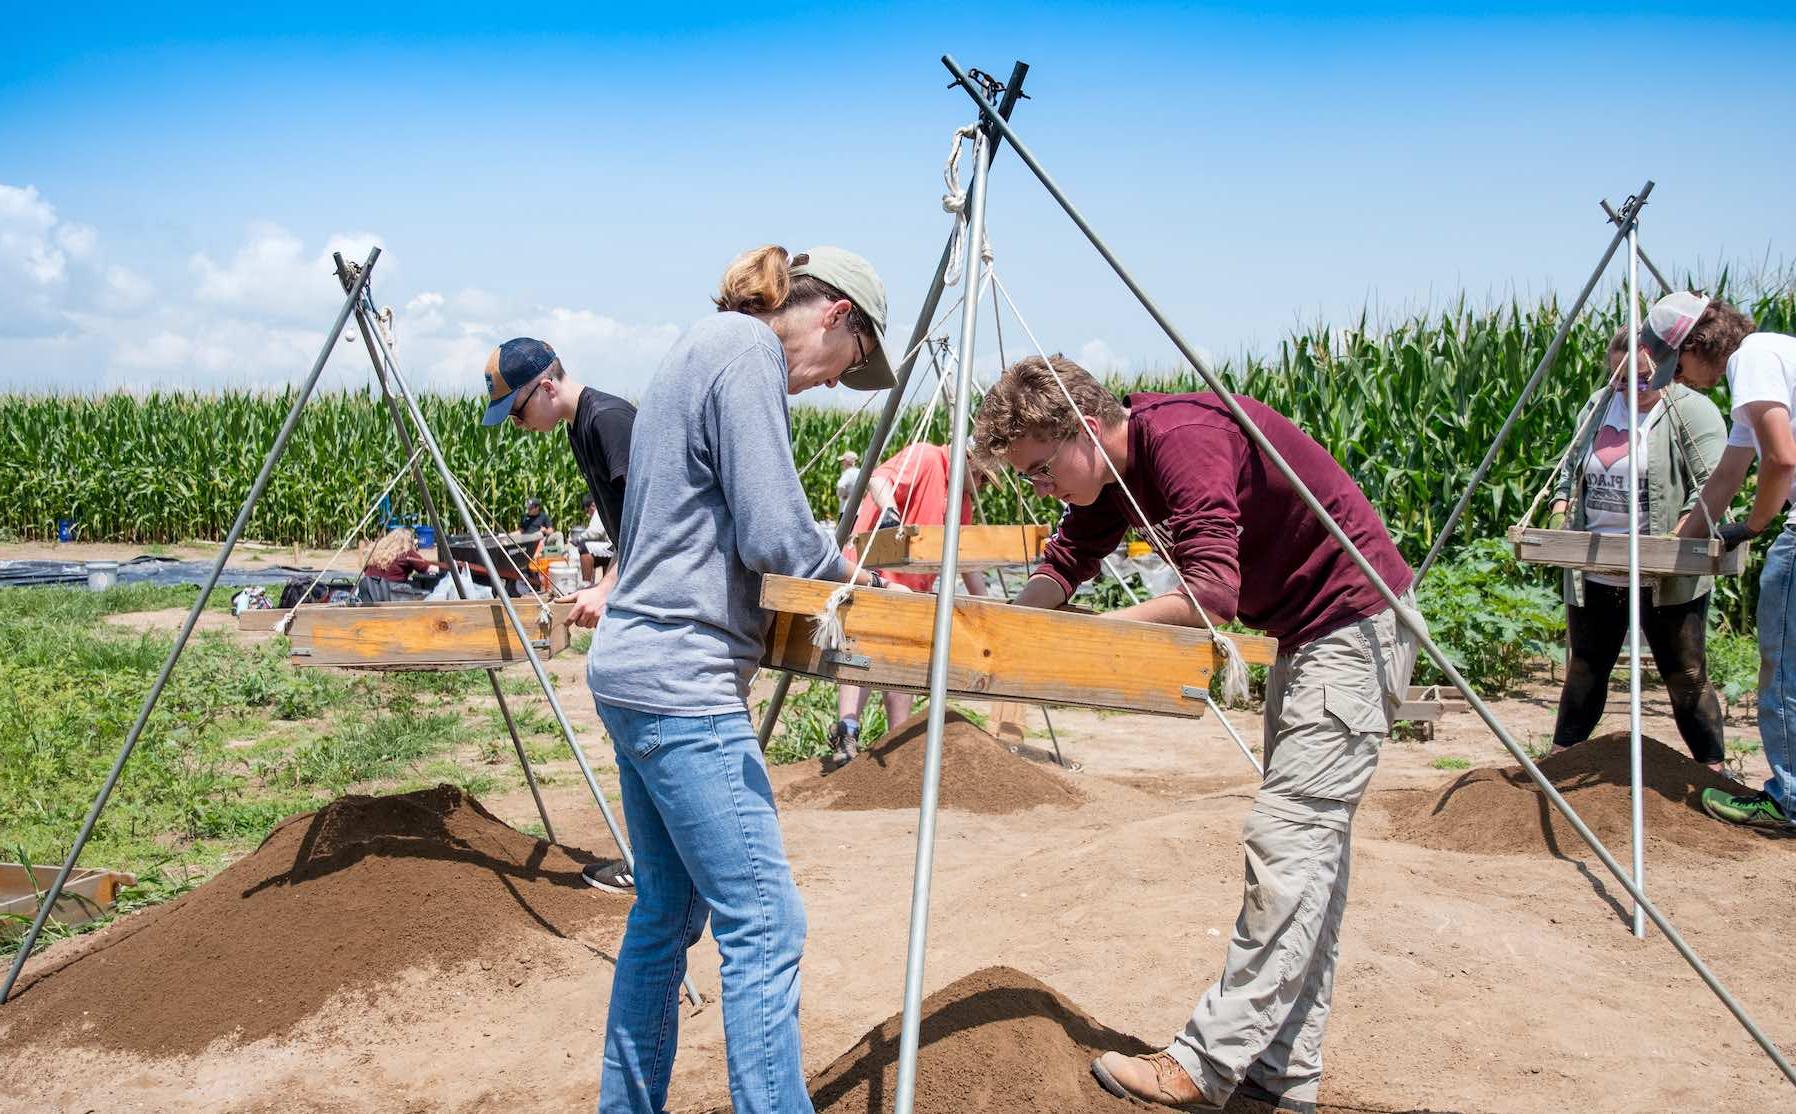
(526, 383)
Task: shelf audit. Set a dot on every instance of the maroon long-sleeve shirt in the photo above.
(1238, 533)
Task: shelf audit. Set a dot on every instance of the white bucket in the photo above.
(564, 578)
(101, 575)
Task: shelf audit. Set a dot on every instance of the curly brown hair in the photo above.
(1718, 332)
(1027, 402)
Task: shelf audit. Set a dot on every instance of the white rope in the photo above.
(955, 202)
(355, 532)
(1234, 669)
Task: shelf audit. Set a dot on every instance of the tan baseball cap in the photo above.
(857, 280)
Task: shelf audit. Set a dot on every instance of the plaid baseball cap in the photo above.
(514, 364)
(1665, 330)
(857, 280)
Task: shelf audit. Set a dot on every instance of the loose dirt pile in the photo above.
(979, 774)
(343, 899)
(996, 1040)
(1500, 811)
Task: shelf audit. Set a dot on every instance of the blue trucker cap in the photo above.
(516, 363)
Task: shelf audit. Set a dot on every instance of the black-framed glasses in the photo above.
(1044, 472)
(518, 408)
(860, 354)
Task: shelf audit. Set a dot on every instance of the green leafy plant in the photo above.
(1492, 619)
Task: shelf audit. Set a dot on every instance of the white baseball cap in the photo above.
(1665, 330)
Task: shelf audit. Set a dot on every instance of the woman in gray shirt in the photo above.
(714, 501)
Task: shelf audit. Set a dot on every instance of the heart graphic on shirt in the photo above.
(1611, 445)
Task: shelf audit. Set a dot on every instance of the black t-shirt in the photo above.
(600, 437)
(535, 523)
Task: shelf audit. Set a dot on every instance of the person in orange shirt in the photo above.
(910, 489)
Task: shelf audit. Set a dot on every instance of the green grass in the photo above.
(238, 741)
(1451, 762)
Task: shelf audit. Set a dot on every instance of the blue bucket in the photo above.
(427, 537)
(65, 529)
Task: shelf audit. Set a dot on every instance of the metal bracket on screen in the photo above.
(844, 658)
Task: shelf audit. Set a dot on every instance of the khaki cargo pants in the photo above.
(1328, 711)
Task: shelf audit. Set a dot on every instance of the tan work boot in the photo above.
(1156, 1077)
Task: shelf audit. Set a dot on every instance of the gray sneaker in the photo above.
(612, 876)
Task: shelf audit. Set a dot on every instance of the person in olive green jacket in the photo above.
(1682, 434)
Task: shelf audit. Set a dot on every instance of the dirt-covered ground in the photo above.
(1493, 981)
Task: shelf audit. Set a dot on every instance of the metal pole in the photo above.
(882, 430)
(939, 644)
(429, 504)
(511, 614)
(1637, 819)
(193, 616)
(1405, 616)
(1658, 276)
(1540, 371)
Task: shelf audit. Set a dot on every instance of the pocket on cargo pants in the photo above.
(1325, 740)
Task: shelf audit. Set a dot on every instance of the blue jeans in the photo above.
(707, 843)
(1777, 667)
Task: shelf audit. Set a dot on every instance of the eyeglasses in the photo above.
(860, 354)
(1044, 472)
(518, 408)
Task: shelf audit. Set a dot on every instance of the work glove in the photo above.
(1556, 520)
(889, 519)
(1733, 533)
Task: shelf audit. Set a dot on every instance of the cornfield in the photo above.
(1409, 409)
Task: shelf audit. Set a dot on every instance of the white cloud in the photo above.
(256, 316)
(1100, 359)
(272, 277)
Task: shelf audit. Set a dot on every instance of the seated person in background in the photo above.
(387, 574)
(592, 543)
(1681, 436)
(535, 520)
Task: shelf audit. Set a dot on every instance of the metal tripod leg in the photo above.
(174, 654)
(895, 400)
(1540, 372)
(525, 640)
(365, 325)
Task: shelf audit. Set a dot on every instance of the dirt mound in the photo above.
(979, 774)
(1500, 811)
(343, 899)
(996, 1040)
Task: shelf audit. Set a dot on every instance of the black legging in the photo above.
(1678, 636)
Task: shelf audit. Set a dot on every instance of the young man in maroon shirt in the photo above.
(1247, 548)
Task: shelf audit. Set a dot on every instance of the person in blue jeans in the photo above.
(714, 502)
(1700, 341)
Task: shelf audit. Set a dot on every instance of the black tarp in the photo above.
(145, 570)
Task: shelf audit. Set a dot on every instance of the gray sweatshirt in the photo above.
(713, 502)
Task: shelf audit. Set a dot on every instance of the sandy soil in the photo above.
(249, 554)
(1466, 983)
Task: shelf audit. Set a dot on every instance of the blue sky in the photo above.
(169, 186)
